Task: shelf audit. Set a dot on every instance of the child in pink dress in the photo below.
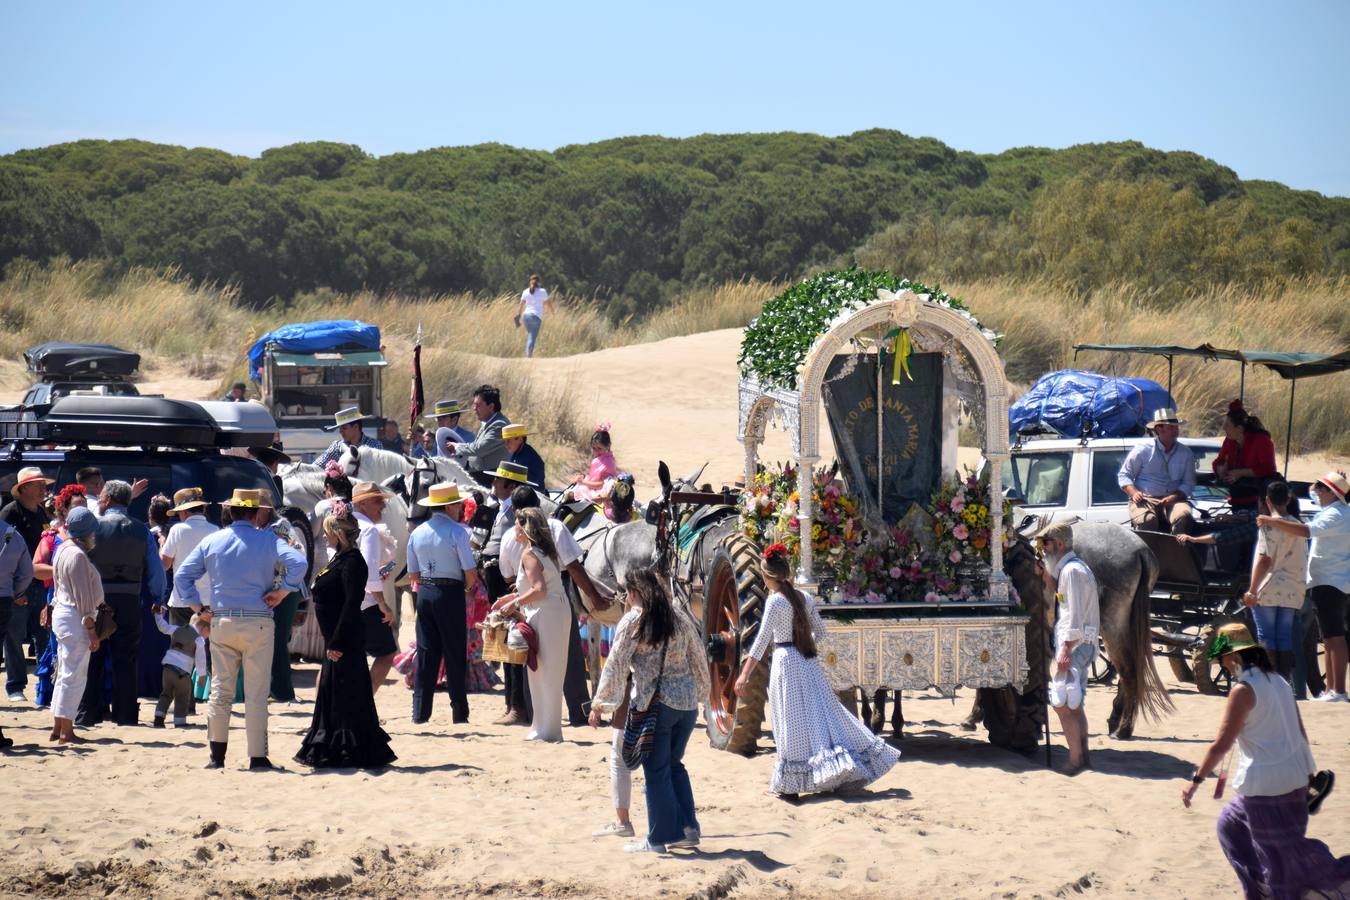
(595, 484)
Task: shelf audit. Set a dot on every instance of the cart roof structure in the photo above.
(1289, 365)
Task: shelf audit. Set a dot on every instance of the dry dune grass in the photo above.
(1042, 323)
(207, 330)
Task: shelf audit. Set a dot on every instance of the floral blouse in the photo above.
(684, 681)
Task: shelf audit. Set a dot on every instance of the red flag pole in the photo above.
(418, 400)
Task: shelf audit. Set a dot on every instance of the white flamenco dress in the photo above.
(821, 746)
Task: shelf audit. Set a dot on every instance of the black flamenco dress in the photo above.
(346, 731)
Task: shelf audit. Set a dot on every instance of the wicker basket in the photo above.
(495, 649)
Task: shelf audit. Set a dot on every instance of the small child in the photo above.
(187, 648)
(603, 468)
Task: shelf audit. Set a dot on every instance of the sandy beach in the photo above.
(475, 810)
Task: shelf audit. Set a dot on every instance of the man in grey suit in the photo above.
(487, 449)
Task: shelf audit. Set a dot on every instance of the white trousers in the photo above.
(552, 623)
(72, 660)
(620, 777)
(239, 642)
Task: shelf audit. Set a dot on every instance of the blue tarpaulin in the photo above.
(313, 337)
(1073, 403)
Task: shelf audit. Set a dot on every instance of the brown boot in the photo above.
(513, 717)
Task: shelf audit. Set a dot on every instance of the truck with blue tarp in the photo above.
(307, 371)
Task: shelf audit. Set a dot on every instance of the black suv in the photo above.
(172, 443)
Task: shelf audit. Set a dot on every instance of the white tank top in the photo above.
(1273, 757)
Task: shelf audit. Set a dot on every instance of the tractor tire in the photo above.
(733, 605)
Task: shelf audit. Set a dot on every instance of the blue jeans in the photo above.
(1275, 626)
(670, 798)
(531, 324)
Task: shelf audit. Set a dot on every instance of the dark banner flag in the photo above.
(911, 446)
(417, 402)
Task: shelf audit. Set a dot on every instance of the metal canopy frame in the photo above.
(1291, 366)
(798, 410)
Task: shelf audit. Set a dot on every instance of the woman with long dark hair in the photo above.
(1279, 567)
(541, 602)
(1263, 829)
(821, 746)
(663, 649)
(1246, 457)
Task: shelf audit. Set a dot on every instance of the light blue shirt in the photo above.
(1329, 556)
(1157, 472)
(439, 548)
(241, 561)
(16, 562)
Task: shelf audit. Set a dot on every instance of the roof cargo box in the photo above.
(57, 359)
(141, 422)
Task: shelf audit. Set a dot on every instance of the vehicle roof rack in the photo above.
(139, 422)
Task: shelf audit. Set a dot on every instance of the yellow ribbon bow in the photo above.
(901, 347)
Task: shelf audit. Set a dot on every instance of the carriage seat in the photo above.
(1181, 569)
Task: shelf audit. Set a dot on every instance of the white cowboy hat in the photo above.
(1165, 416)
(1337, 483)
(348, 416)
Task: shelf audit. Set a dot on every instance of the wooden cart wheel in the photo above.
(1210, 677)
(733, 604)
(1181, 669)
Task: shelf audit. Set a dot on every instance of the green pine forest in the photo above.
(631, 224)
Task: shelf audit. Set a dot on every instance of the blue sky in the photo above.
(1261, 87)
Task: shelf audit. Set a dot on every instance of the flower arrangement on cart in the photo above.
(941, 554)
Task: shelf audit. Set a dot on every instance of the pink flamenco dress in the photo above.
(481, 679)
(603, 468)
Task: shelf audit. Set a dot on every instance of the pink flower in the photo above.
(792, 523)
(931, 597)
(958, 504)
(960, 532)
(895, 572)
(954, 556)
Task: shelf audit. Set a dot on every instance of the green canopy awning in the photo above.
(354, 358)
(1299, 365)
(1207, 351)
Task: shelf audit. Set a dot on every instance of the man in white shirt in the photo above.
(533, 302)
(575, 688)
(191, 529)
(1077, 623)
(368, 502)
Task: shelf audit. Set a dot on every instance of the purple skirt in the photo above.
(1266, 842)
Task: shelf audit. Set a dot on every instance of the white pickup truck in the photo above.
(1068, 477)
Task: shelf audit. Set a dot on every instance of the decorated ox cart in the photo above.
(906, 553)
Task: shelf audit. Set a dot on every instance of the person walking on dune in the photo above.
(534, 301)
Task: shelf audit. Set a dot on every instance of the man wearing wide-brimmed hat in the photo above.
(487, 448)
(441, 563)
(26, 515)
(191, 529)
(348, 424)
(503, 480)
(368, 503)
(1159, 477)
(518, 446)
(240, 564)
(1328, 571)
(446, 415)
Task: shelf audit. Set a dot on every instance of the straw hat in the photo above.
(443, 494)
(28, 475)
(1335, 482)
(364, 490)
(514, 430)
(507, 470)
(187, 498)
(247, 498)
(446, 408)
(348, 416)
(1231, 639)
(1165, 416)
